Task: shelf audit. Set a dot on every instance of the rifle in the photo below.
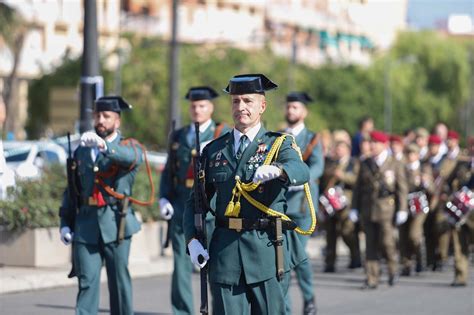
(70, 212)
(171, 157)
(200, 210)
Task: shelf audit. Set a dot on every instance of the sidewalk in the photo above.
(17, 279)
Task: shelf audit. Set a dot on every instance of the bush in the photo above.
(35, 203)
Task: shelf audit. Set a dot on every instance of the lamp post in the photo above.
(174, 109)
(92, 83)
(388, 106)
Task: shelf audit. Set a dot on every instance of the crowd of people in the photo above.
(256, 194)
(419, 183)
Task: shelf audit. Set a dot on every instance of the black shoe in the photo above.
(458, 284)
(354, 264)
(438, 266)
(391, 280)
(419, 267)
(367, 286)
(329, 269)
(309, 307)
(406, 271)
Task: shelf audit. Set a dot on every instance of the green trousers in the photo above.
(88, 260)
(262, 298)
(304, 271)
(181, 289)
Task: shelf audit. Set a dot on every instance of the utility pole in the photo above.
(174, 108)
(294, 59)
(92, 83)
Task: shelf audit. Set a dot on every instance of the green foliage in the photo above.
(35, 203)
(433, 87)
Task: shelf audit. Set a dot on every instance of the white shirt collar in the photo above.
(435, 159)
(453, 154)
(112, 137)
(413, 166)
(251, 134)
(381, 158)
(423, 152)
(202, 127)
(295, 131)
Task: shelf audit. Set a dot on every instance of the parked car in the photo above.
(27, 158)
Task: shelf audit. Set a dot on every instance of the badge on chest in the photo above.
(258, 158)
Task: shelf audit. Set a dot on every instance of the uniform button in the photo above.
(113, 151)
(294, 181)
(96, 169)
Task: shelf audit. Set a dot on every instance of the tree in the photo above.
(13, 29)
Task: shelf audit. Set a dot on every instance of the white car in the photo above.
(27, 158)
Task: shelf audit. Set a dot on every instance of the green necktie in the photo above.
(242, 146)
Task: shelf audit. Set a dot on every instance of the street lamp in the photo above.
(388, 107)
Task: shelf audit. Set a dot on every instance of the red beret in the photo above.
(379, 136)
(396, 138)
(434, 139)
(453, 135)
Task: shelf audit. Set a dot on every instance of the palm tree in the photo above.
(13, 29)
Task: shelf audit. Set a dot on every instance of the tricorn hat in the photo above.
(249, 84)
(302, 97)
(111, 103)
(201, 93)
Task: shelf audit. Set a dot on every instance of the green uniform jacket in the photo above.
(247, 253)
(379, 190)
(176, 192)
(297, 204)
(93, 222)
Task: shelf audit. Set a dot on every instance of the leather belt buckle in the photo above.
(263, 223)
(92, 201)
(235, 224)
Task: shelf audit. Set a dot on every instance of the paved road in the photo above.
(339, 293)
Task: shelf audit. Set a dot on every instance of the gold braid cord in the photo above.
(243, 189)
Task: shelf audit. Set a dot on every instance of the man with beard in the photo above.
(298, 211)
(176, 184)
(106, 166)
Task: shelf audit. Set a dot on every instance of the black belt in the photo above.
(248, 224)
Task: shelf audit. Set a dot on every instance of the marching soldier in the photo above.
(340, 174)
(421, 139)
(249, 171)
(298, 211)
(106, 166)
(396, 148)
(419, 178)
(431, 228)
(175, 188)
(380, 187)
(462, 178)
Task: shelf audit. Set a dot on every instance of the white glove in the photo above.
(91, 139)
(66, 235)
(354, 215)
(166, 209)
(195, 250)
(296, 188)
(265, 173)
(401, 217)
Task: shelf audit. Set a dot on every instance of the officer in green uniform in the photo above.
(298, 211)
(175, 187)
(96, 231)
(249, 164)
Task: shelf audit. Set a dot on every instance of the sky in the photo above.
(427, 13)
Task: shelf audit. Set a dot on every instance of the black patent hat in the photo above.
(302, 97)
(111, 103)
(201, 93)
(249, 84)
